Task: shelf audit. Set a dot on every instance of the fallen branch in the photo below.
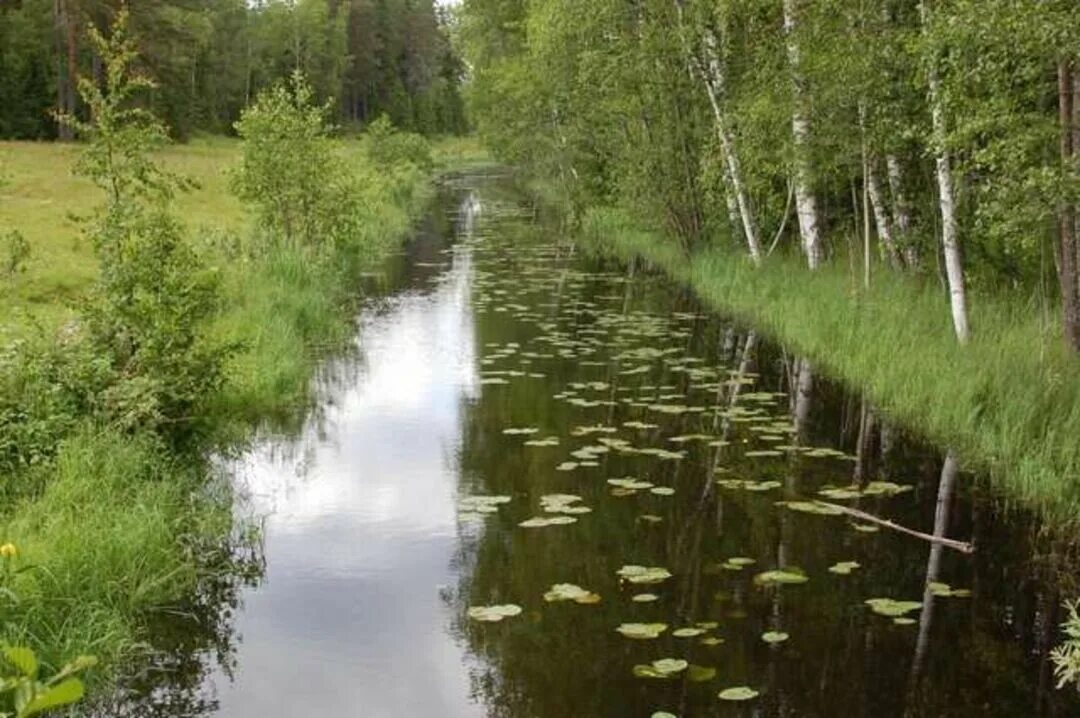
(961, 546)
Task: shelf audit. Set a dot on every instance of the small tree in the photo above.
(154, 297)
(288, 162)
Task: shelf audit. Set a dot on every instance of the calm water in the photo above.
(374, 550)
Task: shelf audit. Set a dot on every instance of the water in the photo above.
(374, 554)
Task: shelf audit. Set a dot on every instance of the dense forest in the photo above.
(936, 137)
(210, 58)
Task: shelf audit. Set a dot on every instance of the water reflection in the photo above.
(494, 325)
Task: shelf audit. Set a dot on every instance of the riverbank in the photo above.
(1009, 402)
(113, 526)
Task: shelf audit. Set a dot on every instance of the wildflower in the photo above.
(8, 550)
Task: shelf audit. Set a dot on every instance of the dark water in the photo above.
(374, 554)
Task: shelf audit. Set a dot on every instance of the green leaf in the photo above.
(62, 694)
(23, 659)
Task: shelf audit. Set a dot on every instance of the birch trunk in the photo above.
(901, 210)
(805, 201)
(1069, 279)
(954, 266)
(881, 216)
(715, 84)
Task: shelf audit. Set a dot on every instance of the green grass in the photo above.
(40, 196)
(119, 526)
(1009, 402)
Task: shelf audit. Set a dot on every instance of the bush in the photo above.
(387, 147)
(289, 170)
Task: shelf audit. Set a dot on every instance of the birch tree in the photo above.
(950, 240)
(806, 207)
(711, 72)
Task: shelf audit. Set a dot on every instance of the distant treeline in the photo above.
(210, 58)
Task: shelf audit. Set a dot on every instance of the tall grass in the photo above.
(1009, 402)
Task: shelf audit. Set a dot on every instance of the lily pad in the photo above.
(570, 592)
(780, 576)
(738, 693)
(774, 636)
(494, 614)
(687, 632)
(645, 598)
(643, 574)
(642, 631)
(700, 674)
(844, 568)
(890, 607)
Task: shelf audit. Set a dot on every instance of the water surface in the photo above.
(502, 363)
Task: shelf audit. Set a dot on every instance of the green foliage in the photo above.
(387, 147)
(154, 296)
(1066, 655)
(28, 694)
(288, 163)
(210, 58)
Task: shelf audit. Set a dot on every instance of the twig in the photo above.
(961, 546)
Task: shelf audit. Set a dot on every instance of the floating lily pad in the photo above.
(512, 431)
(494, 614)
(663, 714)
(570, 592)
(700, 674)
(904, 621)
(811, 507)
(645, 598)
(780, 576)
(643, 574)
(711, 641)
(891, 607)
(630, 483)
(687, 632)
(669, 666)
(567, 466)
(662, 491)
(944, 590)
(844, 568)
(774, 636)
(541, 521)
(642, 631)
(738, 693)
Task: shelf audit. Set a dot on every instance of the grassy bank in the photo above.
(118, 524)
(1009, 402)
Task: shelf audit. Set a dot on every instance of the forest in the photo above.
(209, 59)
(667, 358)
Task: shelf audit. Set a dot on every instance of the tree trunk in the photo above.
(1069, 279)
(901, 211)
(950, 241)
(805, 201)
(67, 71)
(881, 215)
(714, 81)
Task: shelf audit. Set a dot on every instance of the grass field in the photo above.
(1009, 402)
(40, 197)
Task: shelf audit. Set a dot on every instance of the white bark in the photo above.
(805, 200)
(954, 268)
(715, 83)
(901, 210)
(881, 215)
